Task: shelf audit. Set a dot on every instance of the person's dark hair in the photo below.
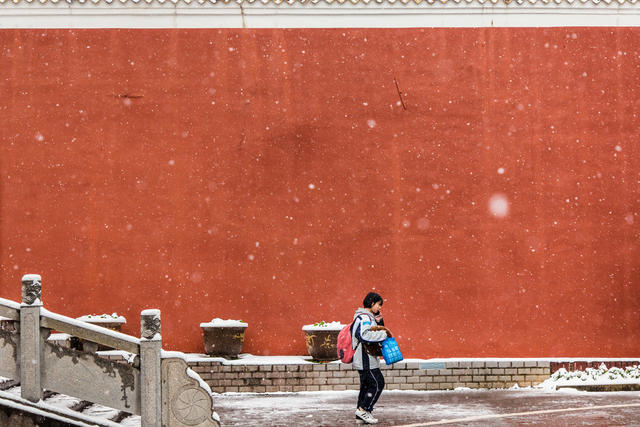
(371, 299)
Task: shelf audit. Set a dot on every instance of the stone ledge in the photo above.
(400, 376)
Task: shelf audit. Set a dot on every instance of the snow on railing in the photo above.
(87, 331)
(9, 309)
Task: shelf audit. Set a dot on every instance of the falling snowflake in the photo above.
(499, 205)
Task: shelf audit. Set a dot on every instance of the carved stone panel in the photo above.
(9, 352)
(150, 383)
(184, 401)
(93, 378)
(30, 347)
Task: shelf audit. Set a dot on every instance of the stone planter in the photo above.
(223, 337)
(109, 321)
(321, 339)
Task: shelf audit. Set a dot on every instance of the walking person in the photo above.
(368, 332)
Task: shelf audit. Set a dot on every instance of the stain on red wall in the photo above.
(484, 181)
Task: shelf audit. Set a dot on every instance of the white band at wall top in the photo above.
(317, 13)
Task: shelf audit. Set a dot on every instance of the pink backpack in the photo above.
(345, 344)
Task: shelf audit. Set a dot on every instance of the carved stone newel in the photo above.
(31, 289)
(150, 324)
(150, 374)
(31, 341)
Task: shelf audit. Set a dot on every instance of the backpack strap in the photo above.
(351, 332)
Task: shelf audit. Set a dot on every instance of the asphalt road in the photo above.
(524, 407)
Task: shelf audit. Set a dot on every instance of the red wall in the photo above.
(172, 169)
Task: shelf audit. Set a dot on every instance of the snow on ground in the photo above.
(313, 402)
(132, 421)
(100, 411)
(591, 376)
(523, 359)
(62, 401)
(408, 408)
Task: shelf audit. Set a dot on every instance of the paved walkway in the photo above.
(453, 408)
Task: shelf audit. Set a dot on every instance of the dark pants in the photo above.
(371, 385)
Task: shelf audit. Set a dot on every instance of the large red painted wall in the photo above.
(274, 176)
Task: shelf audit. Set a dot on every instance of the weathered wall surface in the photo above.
(276, 176)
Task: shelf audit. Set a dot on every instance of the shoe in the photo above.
(365, 417)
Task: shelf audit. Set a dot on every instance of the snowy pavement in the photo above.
(466, 407)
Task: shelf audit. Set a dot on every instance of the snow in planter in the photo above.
(222, 323)
(323, 326)
(102, 318)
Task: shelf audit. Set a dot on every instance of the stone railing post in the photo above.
(30, 338)
(150, 375)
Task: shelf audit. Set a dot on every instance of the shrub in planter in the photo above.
(321, 339)
(223, 337)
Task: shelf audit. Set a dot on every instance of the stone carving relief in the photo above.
(191, 405)
(184, 401)
(150, 326)
(31, 291)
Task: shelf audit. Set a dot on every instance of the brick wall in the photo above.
(400, 376)
(225, 376)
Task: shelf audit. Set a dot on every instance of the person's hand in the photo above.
(381, 328)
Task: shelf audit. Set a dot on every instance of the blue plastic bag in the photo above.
(391, 351)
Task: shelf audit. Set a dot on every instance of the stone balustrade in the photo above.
(151, 383)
